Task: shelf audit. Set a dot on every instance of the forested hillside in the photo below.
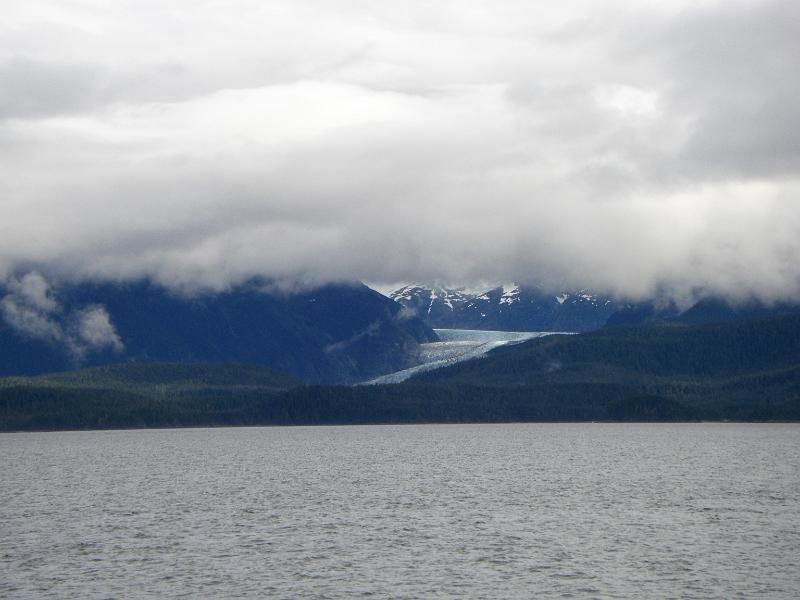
(743, 370)
(140, 395)
(722, 370)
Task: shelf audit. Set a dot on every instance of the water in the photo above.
(491, 511)
(457, 345)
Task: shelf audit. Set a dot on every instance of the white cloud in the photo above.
(625, 145)
(34, 290)
(94, 329)
(29, 321)
(627, 100)
(31, 308)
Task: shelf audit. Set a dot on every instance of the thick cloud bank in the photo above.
(624, 145)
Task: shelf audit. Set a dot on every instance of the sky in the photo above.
(633, 147)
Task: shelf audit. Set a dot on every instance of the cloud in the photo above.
(31, 308)
(93, 329)
(627, 146)
(44, 89)
(33, 290)
(29, 321)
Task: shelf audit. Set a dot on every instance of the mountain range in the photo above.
(247, 355)
(713, 361)
(510, 307)
(337, 333)
(711, 309)
(746, 369)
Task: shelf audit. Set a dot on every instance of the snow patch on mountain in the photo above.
(510, 294)
(507, 307)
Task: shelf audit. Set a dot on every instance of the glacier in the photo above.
(457, 345)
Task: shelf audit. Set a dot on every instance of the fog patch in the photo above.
(29, 321)
(31, 308)
(94, 330)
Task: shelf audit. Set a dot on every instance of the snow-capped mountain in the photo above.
(434, 304)
(509, 307)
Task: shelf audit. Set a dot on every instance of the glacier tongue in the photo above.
(457, 345)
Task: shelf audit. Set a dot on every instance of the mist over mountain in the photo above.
(712, 309)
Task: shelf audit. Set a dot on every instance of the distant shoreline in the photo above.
(397, 424)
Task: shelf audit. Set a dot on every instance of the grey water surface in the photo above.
(474, 511)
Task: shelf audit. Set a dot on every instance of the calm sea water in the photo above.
(478, 511)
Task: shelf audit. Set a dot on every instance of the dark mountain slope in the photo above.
(705, 311)
(337, 333)
(158, 375)
(719, 310)
(740, 370)
(659, 350)
(642, 313)
(140, 395)
(743, 369)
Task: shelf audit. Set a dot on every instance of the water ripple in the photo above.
(490, 511)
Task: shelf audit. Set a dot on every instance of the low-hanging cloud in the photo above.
(626, 146)
(92, 328)
(31, 309)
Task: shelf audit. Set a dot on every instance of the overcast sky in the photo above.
(620, 145)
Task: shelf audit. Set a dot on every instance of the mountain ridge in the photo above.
(745, 370)
(337, 333)
(508, 307)
(745, 361)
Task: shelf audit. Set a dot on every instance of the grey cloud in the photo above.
(93, 328)
(35, 89)
(29, 321)
(627, 146)
(731, 74)
(34, 290)
(31, 308)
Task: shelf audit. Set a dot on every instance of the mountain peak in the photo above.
(507, 307)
